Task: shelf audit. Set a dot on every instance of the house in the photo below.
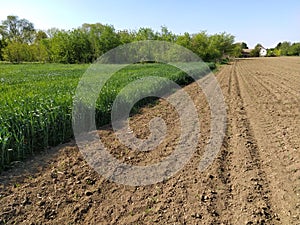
(247, 52)
(262, 52)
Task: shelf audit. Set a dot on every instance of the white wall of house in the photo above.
(263, 52)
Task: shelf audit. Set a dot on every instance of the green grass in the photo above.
(36, 102)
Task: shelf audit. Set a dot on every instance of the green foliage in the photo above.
(41, 51)
(36, 102)
(244, 45)
(294, 49)
(14, 29)
(237, 50)
(277, 52)
(88, 42)
(200, 44)
(145, 34)
(256, 51)
(271, 52)
(101, 38)
(212, 65)
(212, 47)
(2, 46)
(20, 42)
(17, 52)
(39, 36)
(220, 45)
(184, 40)
(125, 36)
(166, 35)
(284, 48)
(35, 107)
(287, 49)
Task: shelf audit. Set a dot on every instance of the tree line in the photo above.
(282, 49)
(285, 49)
(20, 41)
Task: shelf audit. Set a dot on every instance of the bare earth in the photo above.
(254, 180)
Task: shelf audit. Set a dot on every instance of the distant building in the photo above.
(247, 52)
(262, 52)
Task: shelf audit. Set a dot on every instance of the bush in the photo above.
(212, 65)
(16, 52)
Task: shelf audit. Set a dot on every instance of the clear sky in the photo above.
(253, 21)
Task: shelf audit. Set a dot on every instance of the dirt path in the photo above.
(254, 180)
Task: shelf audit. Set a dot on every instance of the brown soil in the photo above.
(254, 180)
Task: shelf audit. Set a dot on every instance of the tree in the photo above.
(102, 38)
(2, 46)
(244, 45)
(277, 52)
(125, 36)
(184, 40)
(71, 47)
(145, 34)
(17, 52)
(41, 50)
(220, 45)
(166, 35)
(199, 45)
(59, 47)
(284, 48)
(81, 46)
(294, 49)
(17, 30)
(237, 50)
(40, 35)
(256, 51)
(278, 45)
(20, 42)
(271, 52)
(52, 31)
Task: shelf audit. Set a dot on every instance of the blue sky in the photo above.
(253, 21)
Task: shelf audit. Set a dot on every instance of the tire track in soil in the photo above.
(218, 195)
(257, 207)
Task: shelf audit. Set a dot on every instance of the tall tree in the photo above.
(17, 30)
(40, 35)
(17, 52)
(219, 46)
(145, 34)
(125, 36)
(184, 40)
(244, 45)
(166, 35)
(102, 38)
(237, 50)
(199, 45)
(294, 49)
(2, 46)
(256, 50)
(284, 48)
